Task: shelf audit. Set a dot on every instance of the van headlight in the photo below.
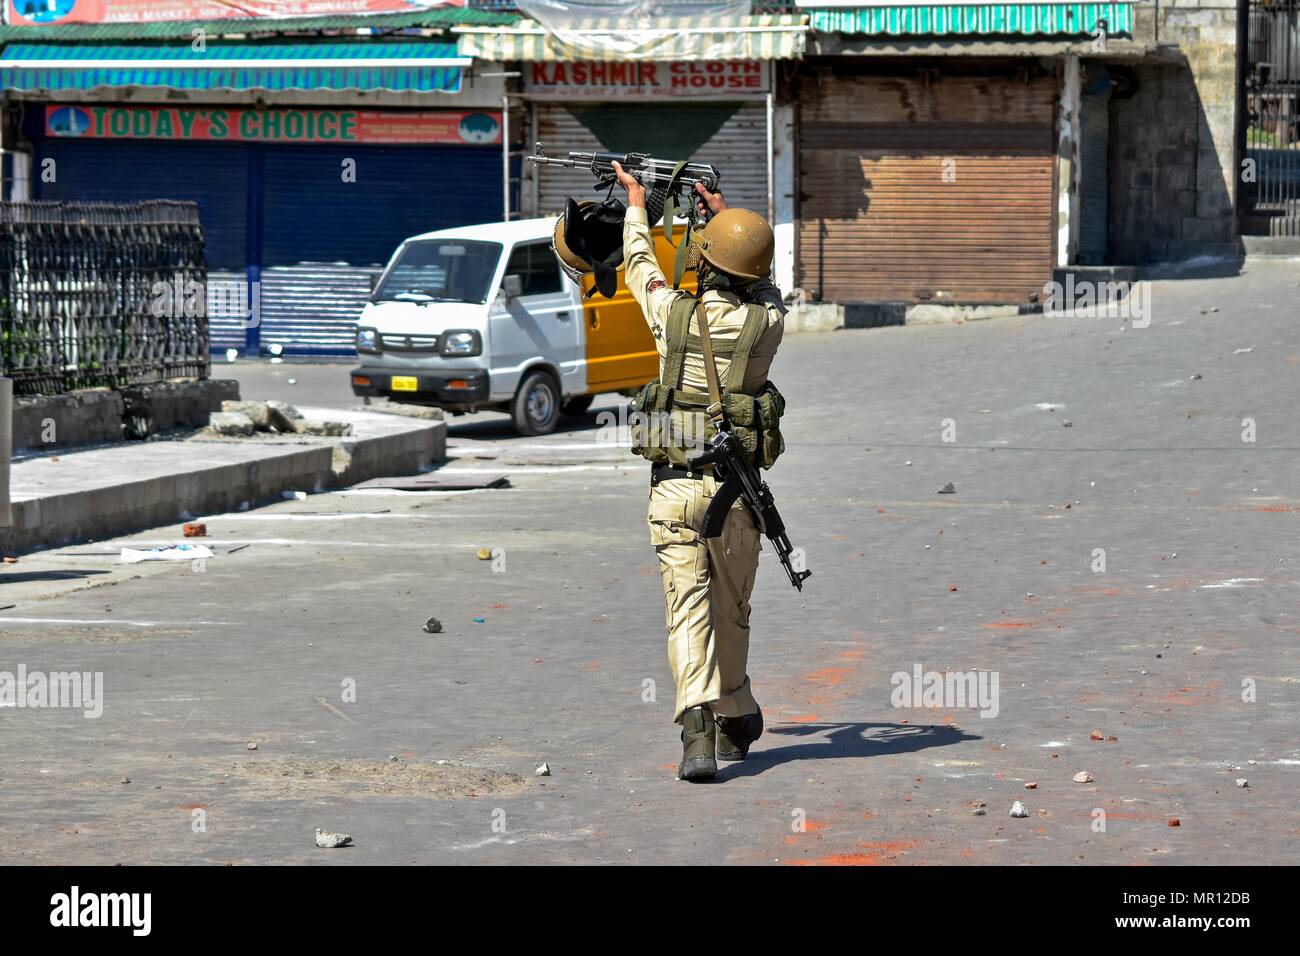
(462, 342)
(368, 340)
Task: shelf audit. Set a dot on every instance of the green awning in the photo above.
(367, 65)
(980, 19)
(768, 37)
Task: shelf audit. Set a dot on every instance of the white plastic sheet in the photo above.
(643, 29)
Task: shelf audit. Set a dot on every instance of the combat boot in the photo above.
(698, 760)
(736, 734)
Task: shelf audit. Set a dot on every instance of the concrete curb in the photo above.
(57, 516)
(96, 513)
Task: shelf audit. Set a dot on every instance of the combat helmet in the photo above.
(738, 242)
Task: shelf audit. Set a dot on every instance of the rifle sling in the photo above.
(710, 369)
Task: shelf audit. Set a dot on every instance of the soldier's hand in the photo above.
(709, 204)
(635, 191)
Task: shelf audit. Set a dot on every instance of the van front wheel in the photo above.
(536, 408)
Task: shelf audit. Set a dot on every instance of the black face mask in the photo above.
(596, 234)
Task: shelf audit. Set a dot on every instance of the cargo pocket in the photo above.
(668, 527)
(667, 520)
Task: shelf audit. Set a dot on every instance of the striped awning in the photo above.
(980, 19)
(420, 67)
(772, 37)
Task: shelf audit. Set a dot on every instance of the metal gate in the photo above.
(1270, 190)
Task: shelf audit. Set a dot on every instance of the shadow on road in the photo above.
(844, 741)
(499, 425)
(8, 577)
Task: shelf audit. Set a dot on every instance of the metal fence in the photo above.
(101, 294)
(1271, 191)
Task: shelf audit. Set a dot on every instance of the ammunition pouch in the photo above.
(672, 425)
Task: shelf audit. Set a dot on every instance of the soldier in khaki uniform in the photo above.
(707, 581)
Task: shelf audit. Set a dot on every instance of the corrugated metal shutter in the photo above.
(926, 191)
(738, 149)
(312, 309)
(226, 318)
(212, 174)
(1094, 173)
(323, 237)
(313, 215)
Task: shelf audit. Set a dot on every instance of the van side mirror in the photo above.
(513, 286)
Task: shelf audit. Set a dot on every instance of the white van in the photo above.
(481, 317)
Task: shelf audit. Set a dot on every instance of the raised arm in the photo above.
(645, 280)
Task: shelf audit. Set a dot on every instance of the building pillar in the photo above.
(1067, 164)
(784, 195)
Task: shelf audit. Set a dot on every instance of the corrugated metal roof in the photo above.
(442, 18)
(234, 66)
(1023, 19)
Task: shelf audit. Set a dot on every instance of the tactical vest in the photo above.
(671, 423)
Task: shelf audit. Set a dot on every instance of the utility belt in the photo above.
(662, 471)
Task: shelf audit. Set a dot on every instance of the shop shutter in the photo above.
(323, 237)
(313, 309)
(214, 175)
(731, 136)
(916, 190)
(313, 215)
(1094, 173)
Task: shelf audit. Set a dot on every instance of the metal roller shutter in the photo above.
(914, 191)
(323, 237)
(731, 136)
(225, 321)
(213, 175)
(313, 309)
(1094, 173)
(313, 215)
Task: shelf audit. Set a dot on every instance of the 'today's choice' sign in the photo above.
(272, 125)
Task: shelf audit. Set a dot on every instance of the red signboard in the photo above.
(46, 12)
(285, 125)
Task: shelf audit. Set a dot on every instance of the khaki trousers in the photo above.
(707, 583)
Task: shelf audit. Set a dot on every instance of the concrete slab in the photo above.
(92, 493)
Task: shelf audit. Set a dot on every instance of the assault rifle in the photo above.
(734, 469)
(740, 479)
(665, 180)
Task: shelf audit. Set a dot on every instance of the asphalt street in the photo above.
(1117, 555)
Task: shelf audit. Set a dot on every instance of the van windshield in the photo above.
(441, 270)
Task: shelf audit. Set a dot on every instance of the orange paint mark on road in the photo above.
(830, 676)
(1004, 625)
(840, 859)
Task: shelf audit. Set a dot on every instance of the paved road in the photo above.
(1197, 599)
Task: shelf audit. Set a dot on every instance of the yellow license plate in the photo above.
(405, 383)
